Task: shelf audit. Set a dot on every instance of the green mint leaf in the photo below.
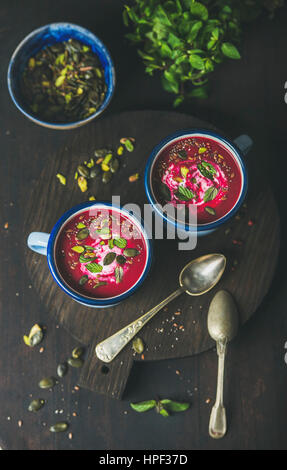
(174, 406)
(164, 412)
(210, 194)
(198, 9)
(165, 192)
(84, 259)
(143, 406)
(178, 101)
(120, 242)
(199, 92)
(230, 51)
(184, 194)
(94, 267)
(169, 82)
(196, 61)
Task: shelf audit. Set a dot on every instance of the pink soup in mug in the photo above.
(198, 172)
(100, 253)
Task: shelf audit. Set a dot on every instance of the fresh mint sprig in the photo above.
(185, 40)
(164, 407)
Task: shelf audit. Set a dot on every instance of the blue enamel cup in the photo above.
(46, 36)
(239, 147)
(45, 244)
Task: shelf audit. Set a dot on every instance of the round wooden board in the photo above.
(168, 335)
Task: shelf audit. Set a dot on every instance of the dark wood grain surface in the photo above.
(250, 266)
(246, 96)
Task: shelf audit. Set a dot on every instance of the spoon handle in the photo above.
(108, 349)
(217, 423)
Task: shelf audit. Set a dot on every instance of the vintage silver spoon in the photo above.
(222, 323)
(196, 278)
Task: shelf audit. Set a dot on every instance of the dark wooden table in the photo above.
(246, 96)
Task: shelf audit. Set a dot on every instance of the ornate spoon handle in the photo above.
(217, 423)
(108, 349)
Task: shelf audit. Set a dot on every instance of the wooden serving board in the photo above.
(248, 274)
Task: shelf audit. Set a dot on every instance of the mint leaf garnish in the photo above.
(210, 194)
(94, 267)
(206, 169)
(184, 194)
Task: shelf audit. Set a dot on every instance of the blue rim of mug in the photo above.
(191, 132)
(53, 266)
(68, 125)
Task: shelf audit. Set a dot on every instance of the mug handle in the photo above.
(38, 241)
(244, 143)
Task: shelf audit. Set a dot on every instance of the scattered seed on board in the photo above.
(59, 427)
(47, 382)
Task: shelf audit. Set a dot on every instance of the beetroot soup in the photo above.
(198, 172)
(100, 253)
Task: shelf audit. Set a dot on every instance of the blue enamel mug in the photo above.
(45, 244)
(237, 149)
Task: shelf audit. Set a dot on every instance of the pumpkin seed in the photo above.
(82, 234)
(138, 345)
(36, 405)
(119, 272)
(99, 284)
(47, 382)
(35, 336)
(210, 210)
(131, 252)
(76, 363)
(120, 259)
(59, 427)
(95, 172)
(83, 171)
(62, 369)
(114, 165)
(109, 258)
(165, 192)
(77, 352)
(83, 279)
(182, 154)
(107, 176)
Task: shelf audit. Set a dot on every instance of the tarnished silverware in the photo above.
(222, 323)
(196, 278)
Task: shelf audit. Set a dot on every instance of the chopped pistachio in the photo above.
(61, 178)
(134, 178)
(82, 183)
(120, 150)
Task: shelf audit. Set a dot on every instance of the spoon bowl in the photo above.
(222, 320)
(202, 274)
(196, 278)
